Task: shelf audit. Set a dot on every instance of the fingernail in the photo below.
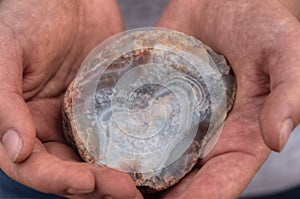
(286, 128)
(73, 191)
(12, 143)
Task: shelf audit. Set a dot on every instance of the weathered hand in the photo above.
(261, 40)
(42, 44)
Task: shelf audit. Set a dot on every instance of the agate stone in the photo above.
(149, 102)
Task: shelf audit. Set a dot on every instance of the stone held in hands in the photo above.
(149, 102)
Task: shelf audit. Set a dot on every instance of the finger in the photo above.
(114, 184)
(223, 177)
(47, 173)
(62, 151)
(181, 187)
(235, 159)
(281, 110)
(46, 114)
(108, 181)
(17, 130)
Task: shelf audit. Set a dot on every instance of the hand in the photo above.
(261, 40)
(42, 44)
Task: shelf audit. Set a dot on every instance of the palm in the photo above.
(241, 148)
(239, 153)
(48, 52)
(267, 72)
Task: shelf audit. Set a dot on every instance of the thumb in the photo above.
(281, 110)
(17, 132)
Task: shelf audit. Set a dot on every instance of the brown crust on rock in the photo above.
(70, 130)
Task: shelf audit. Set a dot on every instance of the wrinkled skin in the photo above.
(44, 42)
(42, 45)
(261, 40)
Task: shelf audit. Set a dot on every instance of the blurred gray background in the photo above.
(141, 13)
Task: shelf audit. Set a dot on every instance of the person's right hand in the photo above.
(261, 41)
(42, 44)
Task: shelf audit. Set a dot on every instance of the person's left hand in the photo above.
(261, 40)
(42, 45)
